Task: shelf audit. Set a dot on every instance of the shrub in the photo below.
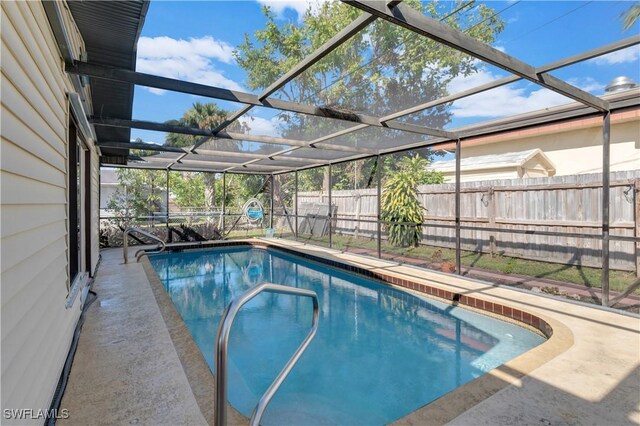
(400, 204)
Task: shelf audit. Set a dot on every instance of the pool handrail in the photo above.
(125, 243)
(222, 342)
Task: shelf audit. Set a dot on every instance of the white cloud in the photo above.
(262, 126)
(167, 47)
(630, 54)
(299, 6)
(507, 100)
(588, 84)
(189, 60)
(461, 83)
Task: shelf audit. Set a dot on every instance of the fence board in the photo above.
(563, 204)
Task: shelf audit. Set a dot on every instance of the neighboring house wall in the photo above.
(507, 173)
(36, 328)
(109, 184)
(573, 147)
(107, 191)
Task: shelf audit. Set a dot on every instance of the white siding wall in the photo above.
(577, 151)
(36, 329)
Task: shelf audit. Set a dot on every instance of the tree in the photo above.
(187, 189)
(630, 16)
(382, 69)
(140, 193)
(203, 116)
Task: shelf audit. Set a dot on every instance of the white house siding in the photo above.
(36, 329)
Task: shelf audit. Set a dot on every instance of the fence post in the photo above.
(271, 201)
(224, 203)
(295, 208)
(457, 203)
(492, 220)
(606, 168)
(636, 219)
(379, 202)
(330, 210)
(169, 236)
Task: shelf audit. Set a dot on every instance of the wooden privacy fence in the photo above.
(564, 204)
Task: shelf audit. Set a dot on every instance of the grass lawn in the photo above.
(237, 234)
(588, 277)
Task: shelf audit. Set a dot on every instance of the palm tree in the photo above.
(631, 16)
(202, 116)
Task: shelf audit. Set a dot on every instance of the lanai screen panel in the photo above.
(531, 28)
(379, 138)
(150, 58)
(382, 70)
(286, 163)
(261, 121)
(319, 154)
(216, 145)
(599, 72)
(387, 74)
(151, 159)
(510, 100)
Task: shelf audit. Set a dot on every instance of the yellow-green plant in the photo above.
(401, 209)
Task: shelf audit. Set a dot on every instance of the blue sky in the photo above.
(194, 41)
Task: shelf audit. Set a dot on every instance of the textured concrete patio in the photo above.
(136, 364)
(126, 370)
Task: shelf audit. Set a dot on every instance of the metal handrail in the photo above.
(125, 242)
(222, 342)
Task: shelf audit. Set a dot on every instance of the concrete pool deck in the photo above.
(134, 364)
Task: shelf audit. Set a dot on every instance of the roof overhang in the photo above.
(110, 31)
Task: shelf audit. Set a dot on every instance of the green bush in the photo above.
(400, 204)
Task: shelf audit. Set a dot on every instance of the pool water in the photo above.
(379, 354)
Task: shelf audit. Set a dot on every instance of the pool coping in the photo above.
(442, 410)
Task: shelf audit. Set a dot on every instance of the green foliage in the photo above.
(187, 189)
(401, 207)
(354, 175)
(140, 193)
(380, 70)
(312, 179)
(630, 16)
(416, 166)
(241, 187)
(203, 116)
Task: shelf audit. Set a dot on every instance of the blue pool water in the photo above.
(379, 354)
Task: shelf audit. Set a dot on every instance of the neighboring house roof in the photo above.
(625, 106)
(495, 161)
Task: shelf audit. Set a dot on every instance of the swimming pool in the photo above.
(380, 353)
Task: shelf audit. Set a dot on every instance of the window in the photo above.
(74, 211)
(79, 204)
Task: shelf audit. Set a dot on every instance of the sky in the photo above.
(194, 41)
